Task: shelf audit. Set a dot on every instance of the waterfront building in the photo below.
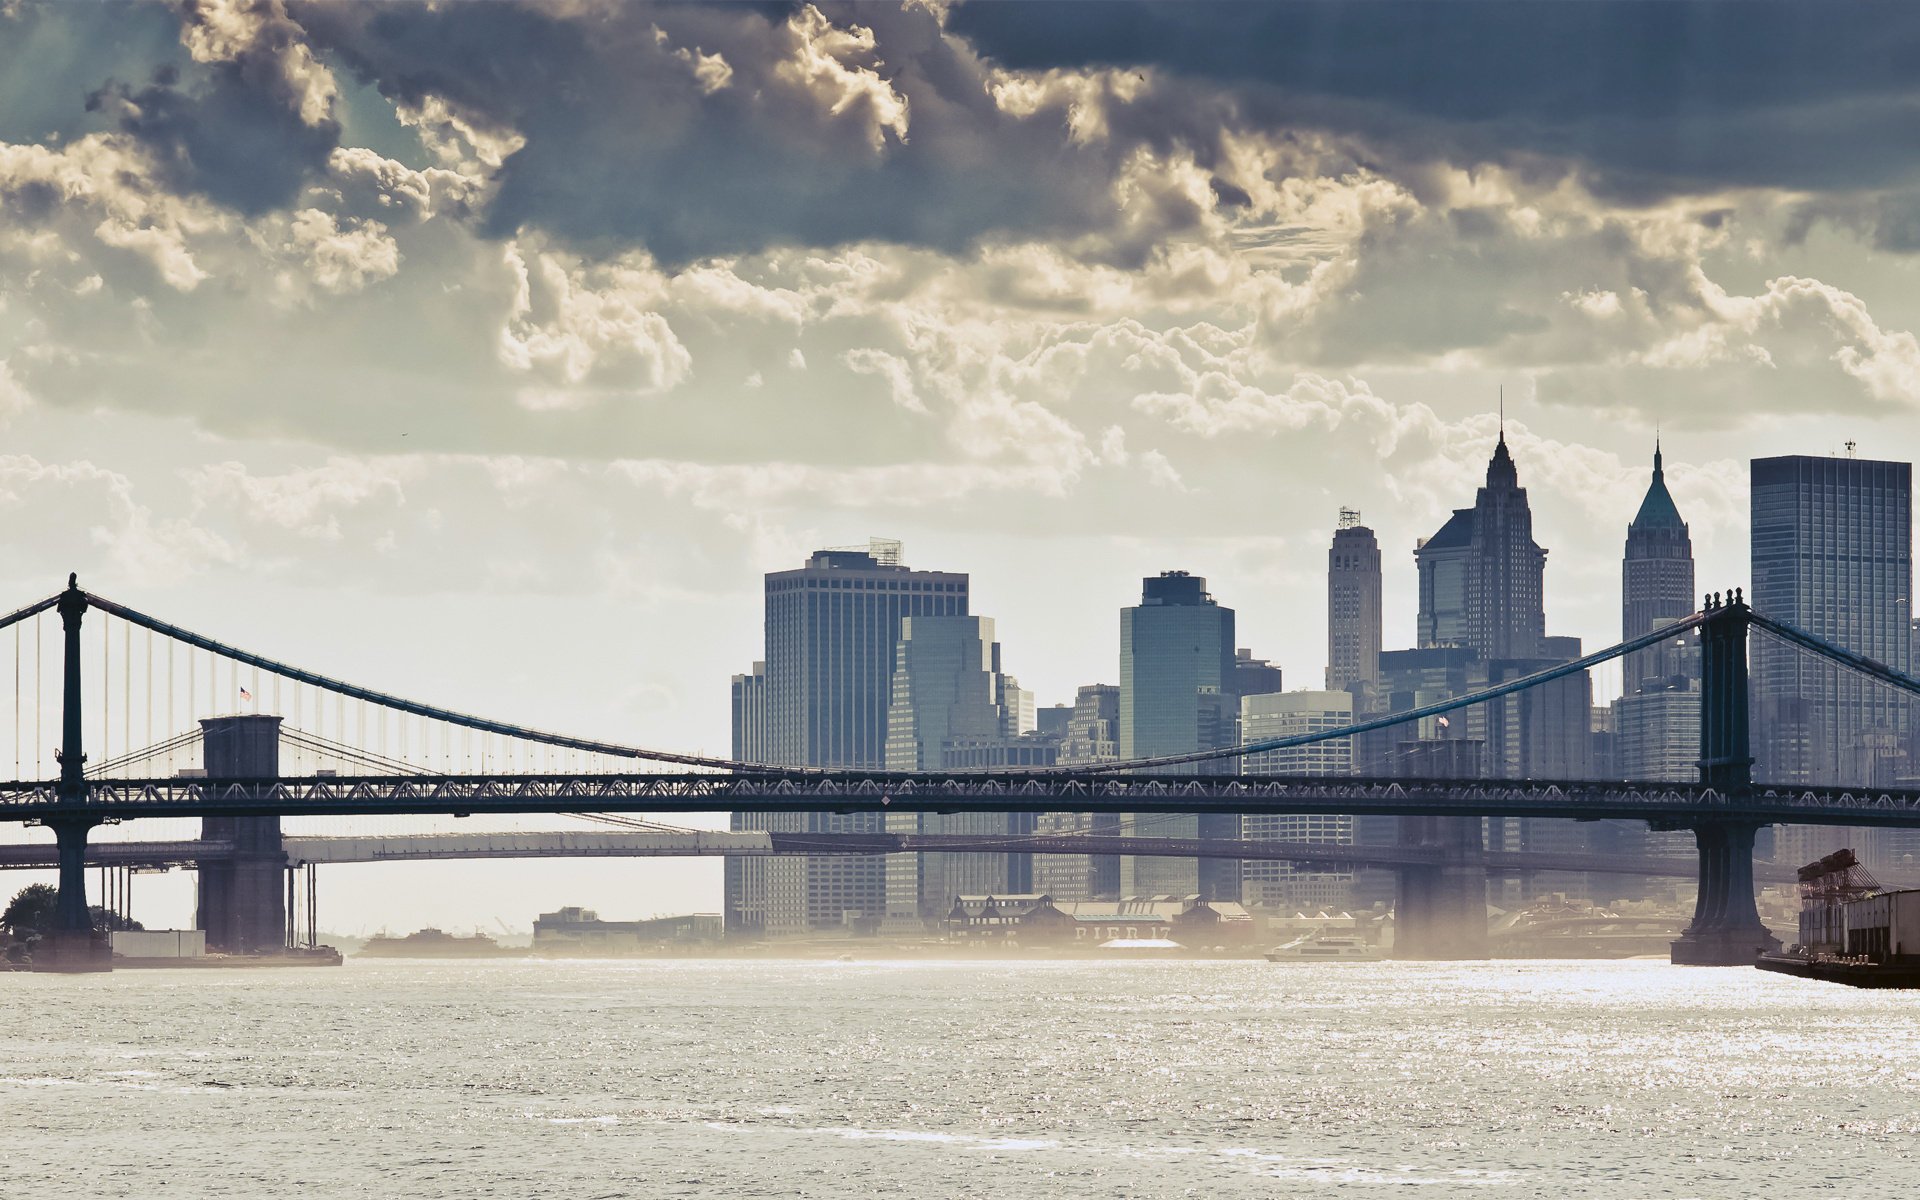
(1176, 696)
(1353, 611)
(1040, 919)
(1262, 718)
(580, 932)
(832, 629)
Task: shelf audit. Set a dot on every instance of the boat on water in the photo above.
(1323, 947)
(1852, 931)
(434, 943)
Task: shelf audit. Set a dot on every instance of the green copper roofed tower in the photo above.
(1656, 577)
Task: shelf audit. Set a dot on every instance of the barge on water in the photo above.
(1851, 930)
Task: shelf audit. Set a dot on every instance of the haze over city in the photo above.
(507, 393)
(1070, 599)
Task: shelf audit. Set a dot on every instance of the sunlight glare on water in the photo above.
(1002, 1079)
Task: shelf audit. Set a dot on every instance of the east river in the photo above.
(1005, 1080)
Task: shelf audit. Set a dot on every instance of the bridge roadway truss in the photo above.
(1668, 805)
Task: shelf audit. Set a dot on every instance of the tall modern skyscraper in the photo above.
(1353, 611)
(1656, 578)
(1482, 575)
(832, 628)
(1833, 555)
(1176, 696)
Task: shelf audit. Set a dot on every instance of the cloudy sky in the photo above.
(489, 353)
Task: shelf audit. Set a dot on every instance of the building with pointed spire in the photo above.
(1656, 578)
(1483, 604)
(1482, 576)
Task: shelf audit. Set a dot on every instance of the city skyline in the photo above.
(442, 391)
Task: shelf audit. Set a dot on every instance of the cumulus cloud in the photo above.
(573, 323)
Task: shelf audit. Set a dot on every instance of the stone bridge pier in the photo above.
(1441, 910)
(242, 906)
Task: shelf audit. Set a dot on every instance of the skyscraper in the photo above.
(1482, 575)
(1656, 578)
(1353, 611)
(1832, 555)
(951, 707)
(1266, 882)
(1832, 544)
(744, 909)
(1657, 718)
(1482, 590)
(832, 628)
(749, 709)
(1176, 696)
(1092, 736)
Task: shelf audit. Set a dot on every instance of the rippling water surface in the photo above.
(1067, 1079)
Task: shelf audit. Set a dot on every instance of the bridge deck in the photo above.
(1667, 804)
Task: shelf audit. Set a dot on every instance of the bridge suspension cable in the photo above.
(399, 704)
(1438, 708)
(343, 690)
(1858, 663)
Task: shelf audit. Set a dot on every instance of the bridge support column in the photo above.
(242, 906)
(73, 945)
(1726, 929)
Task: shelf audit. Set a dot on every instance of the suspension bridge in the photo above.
(315, 756)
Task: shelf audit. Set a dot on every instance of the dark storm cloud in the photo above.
(1653, 98)
(241, 129)
(223, 138)
(622, 145)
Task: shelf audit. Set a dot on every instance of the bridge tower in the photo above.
(1726, 929)
(1440, 909)
(242, 907)
(73, 945)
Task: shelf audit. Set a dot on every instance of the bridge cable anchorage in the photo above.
(1559, 671)
(346, 690)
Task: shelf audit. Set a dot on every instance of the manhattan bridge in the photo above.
(354, 751)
